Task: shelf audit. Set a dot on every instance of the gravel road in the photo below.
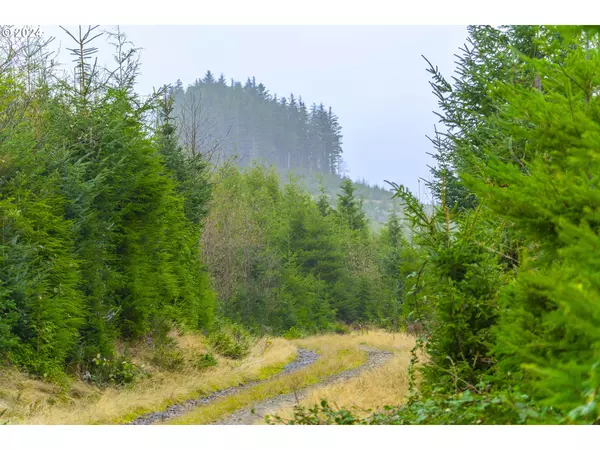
(303, 359)
(245, 416)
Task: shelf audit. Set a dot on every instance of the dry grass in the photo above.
(337, 353)
(33, 402)
(373, 389)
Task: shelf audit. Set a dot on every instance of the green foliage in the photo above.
(321, 414)
(377, 202)
(168, 357)
(206, 360)
(490, 55)
(100, 232)
(115, 371)
(294, 333)
(341, 328)
(507, 286)
(548, 332)
(467, 408)
(280, 264)
(349, 209)
(231, 340)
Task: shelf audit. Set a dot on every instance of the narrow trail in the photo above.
(303, 359)
(249, 415)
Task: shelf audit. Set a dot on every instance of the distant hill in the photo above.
(223, 119)
(246, 120)
(378, 203)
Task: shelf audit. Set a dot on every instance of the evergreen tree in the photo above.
(490, 55)
(548, 327)
(266, 128)
(349, 208)
(323, 202)
(96, 245)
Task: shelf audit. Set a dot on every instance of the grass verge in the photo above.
(29, 401)
(374, 389)
(336, 353)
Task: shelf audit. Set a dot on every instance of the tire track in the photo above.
(303, 359)
(248, 415)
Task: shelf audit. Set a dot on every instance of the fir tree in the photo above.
(349, 208)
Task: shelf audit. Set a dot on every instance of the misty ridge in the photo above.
(199, 256)
(244, 123)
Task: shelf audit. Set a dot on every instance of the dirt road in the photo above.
(256, 412)
(303, 359)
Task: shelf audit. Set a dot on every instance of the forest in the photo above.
(222, 211)
(228, 121)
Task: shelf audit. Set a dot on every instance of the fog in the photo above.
(373, 77)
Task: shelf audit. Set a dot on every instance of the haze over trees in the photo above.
(227, 120)
(247, 121)
(506, 280)
(119, 222)
(124, 218)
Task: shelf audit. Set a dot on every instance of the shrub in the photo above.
(168, 358)
(340, 328)
(294, 333)
(466, 408)
(206, 360)
(321, 414)
(117, 371)
(231, 340)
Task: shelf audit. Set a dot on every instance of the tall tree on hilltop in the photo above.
(262, 127)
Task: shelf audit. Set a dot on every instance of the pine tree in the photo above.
(549, 323)
(209, 78)
(490, 55)
(349, 208)
(323, 202)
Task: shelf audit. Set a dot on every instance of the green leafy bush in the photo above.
(466, 408)
(231, 340)
(294, 333)
(341, 328)
(206, 360)
(118, 371)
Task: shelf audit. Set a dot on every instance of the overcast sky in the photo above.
(372, 76)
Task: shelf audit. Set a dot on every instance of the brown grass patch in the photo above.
(33, 402)
(372, 389)
(336, 354)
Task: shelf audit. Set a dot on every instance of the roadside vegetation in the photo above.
(143, 264)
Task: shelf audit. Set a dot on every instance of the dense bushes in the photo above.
(282, 261)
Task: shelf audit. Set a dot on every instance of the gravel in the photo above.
(303, 359)
(248, 416)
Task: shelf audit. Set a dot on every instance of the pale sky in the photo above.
(372, 76)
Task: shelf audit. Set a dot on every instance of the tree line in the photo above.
(505, 284)
(115, 229)
(244, 120)
(284, 262)
(100, 217)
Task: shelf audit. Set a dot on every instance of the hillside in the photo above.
(228, 120)
(377, 201)
(220, 119)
